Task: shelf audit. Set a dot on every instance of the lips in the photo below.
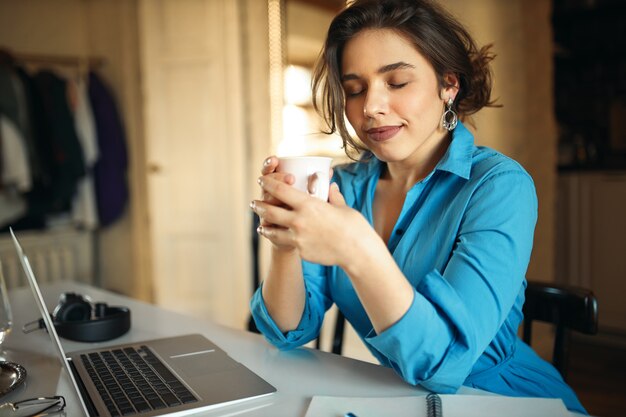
(380, 134)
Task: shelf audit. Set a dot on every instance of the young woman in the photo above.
(424, 242)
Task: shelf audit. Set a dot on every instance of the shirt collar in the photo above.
(458, 158)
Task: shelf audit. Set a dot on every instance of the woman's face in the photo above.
(393, 99)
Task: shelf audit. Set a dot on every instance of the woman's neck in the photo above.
(406, 173)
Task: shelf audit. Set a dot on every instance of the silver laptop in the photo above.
(179, 376)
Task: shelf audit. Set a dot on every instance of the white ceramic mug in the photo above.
(302, 167)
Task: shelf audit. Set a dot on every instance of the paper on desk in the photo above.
(453, 406)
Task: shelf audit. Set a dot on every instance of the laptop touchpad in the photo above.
(204, 363)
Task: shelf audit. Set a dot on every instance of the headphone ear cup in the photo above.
(114, 323)
(72, 307)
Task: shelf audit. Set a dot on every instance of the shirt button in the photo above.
(399, 232)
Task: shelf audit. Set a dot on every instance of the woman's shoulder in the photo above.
(488, 163)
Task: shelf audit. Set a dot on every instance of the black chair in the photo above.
(340, 324)
(568, 308)
(255, 266)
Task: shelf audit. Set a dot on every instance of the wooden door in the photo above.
(590, 245)
(191, 80)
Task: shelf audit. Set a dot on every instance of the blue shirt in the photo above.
(463, 239)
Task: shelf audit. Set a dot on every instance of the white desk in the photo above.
(298, 375)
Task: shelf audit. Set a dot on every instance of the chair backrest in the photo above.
(256, 280)
(567, 308)
(340, 323)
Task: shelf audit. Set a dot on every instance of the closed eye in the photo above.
(397, 85)
(354, 93)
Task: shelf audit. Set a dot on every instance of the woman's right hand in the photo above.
(269, 170)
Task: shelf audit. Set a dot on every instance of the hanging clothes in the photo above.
(84, 210)
(43, 169)
(8, 95)
(15, 165)
(66, 158)
(72, 161)
(31, 129)
(15, 106)
(110, 170)
(15, 174)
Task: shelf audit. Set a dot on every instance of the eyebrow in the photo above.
(381, 70)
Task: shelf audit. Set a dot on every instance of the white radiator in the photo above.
(58, 255)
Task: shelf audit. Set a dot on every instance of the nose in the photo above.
(376, 102)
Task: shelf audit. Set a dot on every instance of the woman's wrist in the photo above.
(363, 251)
(280, 254)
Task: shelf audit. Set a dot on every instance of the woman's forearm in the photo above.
(283, 289)
(384, 291)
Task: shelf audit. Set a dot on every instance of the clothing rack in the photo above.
(66, 60)
(86, 62)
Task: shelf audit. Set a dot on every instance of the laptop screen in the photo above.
(41, 305)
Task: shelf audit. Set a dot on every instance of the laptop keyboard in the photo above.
(132, 381)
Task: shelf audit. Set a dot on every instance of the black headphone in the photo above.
(78, 318)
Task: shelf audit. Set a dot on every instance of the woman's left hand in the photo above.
(323, 232)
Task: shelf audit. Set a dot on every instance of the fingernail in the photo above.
(260, 181)
(267, 162)
(253, 205)
(259, 230)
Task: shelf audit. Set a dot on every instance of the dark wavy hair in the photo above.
(434, 32)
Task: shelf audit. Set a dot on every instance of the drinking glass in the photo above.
(6, 318)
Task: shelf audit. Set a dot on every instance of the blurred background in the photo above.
(133, 132)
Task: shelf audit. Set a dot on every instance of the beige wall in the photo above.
(306, 29)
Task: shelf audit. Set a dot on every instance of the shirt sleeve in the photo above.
(457, 312)
(316, 303)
